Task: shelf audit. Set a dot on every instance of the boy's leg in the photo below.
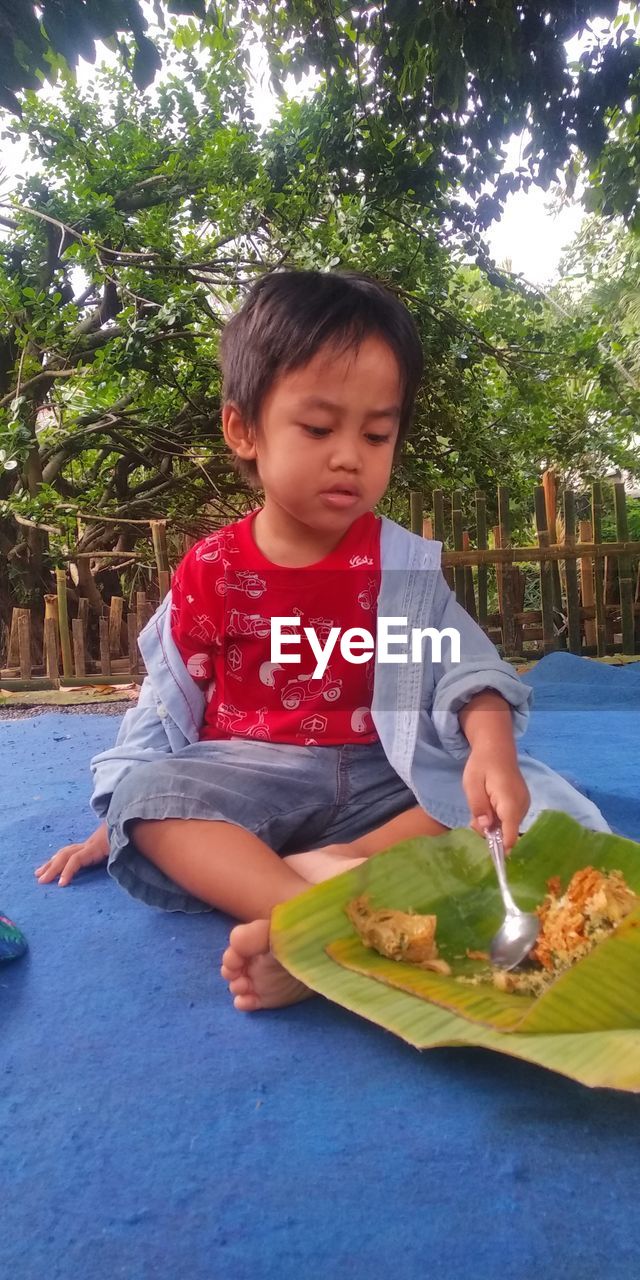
(405, 826)
(235, 871)
(316, 865)
(219, 862)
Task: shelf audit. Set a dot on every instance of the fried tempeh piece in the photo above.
(399, 935)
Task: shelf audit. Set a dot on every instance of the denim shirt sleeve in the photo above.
(141, 740)
(480, 668)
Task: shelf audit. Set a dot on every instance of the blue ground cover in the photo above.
(149, 1131)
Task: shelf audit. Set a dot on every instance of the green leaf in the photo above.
(188, 7)
(591, 1035)
(146, 63)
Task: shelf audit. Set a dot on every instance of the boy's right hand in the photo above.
(73, 857)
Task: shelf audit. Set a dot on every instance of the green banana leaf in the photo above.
(586, 1026)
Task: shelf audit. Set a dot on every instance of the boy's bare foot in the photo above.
(317, 865)
(256, 979)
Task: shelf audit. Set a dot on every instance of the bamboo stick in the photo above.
(50, 646)
(132, 635)
(24, 686)
(105, 555)
(497, 548)
(51, 615)
(524, 555)
(99, 519)
(481, 539)
(546, 584)
(610, 593)
(427, 527)
(509, 636)
(609, 579)
(439, 529)
(550, 486)
(164, 583)
(596, 521)
(456, 529)
(438, 515)
(63, 617)
(83, 615)
(24, 643)
(83, 682)
(78, 647)
(571, 573)
(469, 590)
(143, 609)
(586, 582)
(13, 652)
(625, 579)
(159, 536)
(115, 625)
(51, 608)
(105, 652)
(415, 512)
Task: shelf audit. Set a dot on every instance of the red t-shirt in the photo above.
(225, 594)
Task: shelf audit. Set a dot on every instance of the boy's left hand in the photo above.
(496, 792)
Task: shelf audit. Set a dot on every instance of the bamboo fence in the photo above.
(589, 592)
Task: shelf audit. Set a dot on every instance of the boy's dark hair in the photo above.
(288, 316)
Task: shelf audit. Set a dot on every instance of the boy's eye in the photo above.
(317, 432)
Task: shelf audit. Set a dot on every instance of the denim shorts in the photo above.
(293, 797)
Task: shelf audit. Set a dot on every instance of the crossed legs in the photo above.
(235, 871)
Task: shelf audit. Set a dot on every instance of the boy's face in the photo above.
(304, 448)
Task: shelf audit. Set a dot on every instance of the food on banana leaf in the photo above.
(399, 935)
(571, 924)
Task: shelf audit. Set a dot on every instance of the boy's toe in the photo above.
(249, 940)
(232, 964)
(241, 986)
(247, 1004)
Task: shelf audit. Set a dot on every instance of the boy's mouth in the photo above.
(342, 488)
(339, 497)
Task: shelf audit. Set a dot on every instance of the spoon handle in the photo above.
(496, 848)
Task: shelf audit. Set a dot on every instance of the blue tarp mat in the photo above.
(149, 1131)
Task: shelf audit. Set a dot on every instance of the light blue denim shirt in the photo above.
(415, 704)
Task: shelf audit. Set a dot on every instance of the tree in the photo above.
(144, 221)
(34, 47)
(441, 85)
(436, 86)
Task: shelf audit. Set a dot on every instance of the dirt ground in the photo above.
(84, 709)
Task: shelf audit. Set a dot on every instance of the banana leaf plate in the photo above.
(586, 1025)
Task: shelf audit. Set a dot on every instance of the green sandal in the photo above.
(12, 942)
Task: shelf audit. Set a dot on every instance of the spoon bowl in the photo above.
(519, 929)
(514, 940)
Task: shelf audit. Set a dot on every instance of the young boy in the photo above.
(233, 767)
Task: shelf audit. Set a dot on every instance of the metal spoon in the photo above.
(519, 930)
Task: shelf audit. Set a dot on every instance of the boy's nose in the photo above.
(345, 454)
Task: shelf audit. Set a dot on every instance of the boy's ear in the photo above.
(239, 437)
